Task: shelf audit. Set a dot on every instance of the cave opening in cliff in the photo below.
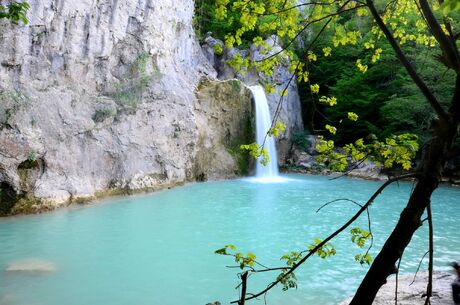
(8, 197)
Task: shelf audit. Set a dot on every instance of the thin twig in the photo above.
(337, 200)
(295, 7)
(369, 226)
(327, 239)
(429, 287)
(418, 267)
(397, 279)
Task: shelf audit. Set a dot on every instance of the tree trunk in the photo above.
(433, 159)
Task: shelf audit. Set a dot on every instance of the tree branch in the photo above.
(418, 267)
(296, 7)
(325, 241)
(429, 287)
(304, 28)
(244, 279)
(448, 48)
(337, 200)
(405, 61)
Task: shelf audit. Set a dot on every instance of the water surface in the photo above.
(158, 249)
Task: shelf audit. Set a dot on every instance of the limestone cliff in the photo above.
(289, 109)
(99, 96)
(110, 96)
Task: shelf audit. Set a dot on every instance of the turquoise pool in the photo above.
(157, 249)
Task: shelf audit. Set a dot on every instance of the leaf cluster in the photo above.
(244, 261)
(15, 11)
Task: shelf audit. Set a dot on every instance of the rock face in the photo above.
(290, 110)
(225, 120)
(412, 294)
(101, 97)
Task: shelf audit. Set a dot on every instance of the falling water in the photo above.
(263, 124)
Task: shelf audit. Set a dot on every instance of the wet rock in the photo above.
(367, 170)
(31, 265)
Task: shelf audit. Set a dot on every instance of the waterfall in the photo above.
(268, 172)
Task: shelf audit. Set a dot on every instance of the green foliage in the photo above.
(288, 281)
(104, 113)
(397, 150)
(363, 258)
(324, 251)
(385, 98)
(256, 151)
(244, 261)
(223, 251)
(301, 140)
(276, 130)
(360, 236)
(241, 22)
(218, 49)
(15, 11)
(450, 6)
(259, 152)
(32, 157)
(236, 85)
(364, 87)
(291, 258)
(128, 93)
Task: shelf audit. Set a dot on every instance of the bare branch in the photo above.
(337, 200)
(296, 7)
(429, 287)
(418, 267)
(244, 279)
(327, 239)
(369, 226)
(397, 280)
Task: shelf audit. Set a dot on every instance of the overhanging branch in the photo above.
(405, 61)
(446, 45)
(330, 237)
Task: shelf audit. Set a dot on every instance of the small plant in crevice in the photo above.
(32, 157)
(104, 113)
(236, 85)
(128, 93)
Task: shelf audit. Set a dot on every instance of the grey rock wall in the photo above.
(99, 97)
(290, 112)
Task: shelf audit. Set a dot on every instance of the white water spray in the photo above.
(268, 173)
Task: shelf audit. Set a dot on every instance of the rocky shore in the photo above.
(412, 293)
(303, 160)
